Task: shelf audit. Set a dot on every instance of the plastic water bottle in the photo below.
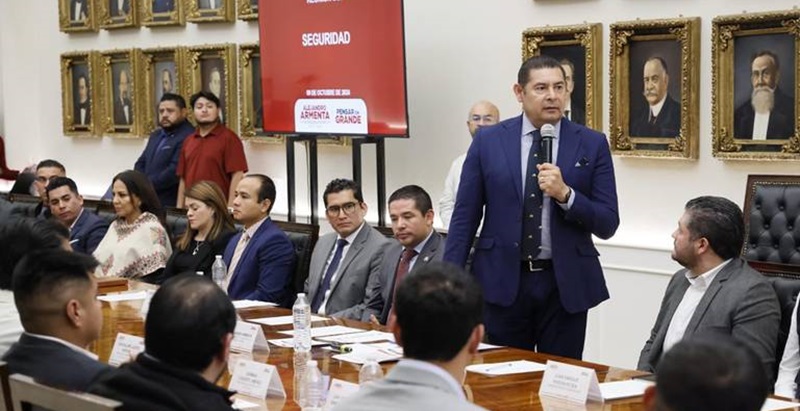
(218, 271)
(370, 371)
(300, 360)
(301, 317)
(313, 395)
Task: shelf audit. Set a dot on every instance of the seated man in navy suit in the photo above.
(261, 259)
(86, 229)
(160, 157)
(56, 295)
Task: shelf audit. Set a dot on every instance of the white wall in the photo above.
(458, 51)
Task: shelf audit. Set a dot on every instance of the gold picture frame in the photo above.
(79, 118)
(250, 106)
(579, 48)
(116, 15)
(756, 71)
(212, 67)
(156, 13)
(203, 11)
(121, 109)
(77, 16)
(163, 72)
(248, 10)
(654, 96)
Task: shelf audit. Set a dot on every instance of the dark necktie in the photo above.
(402, 270)
(532, 204)
(652, 119)
(319, 297)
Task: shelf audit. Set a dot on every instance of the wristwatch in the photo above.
(569, 194)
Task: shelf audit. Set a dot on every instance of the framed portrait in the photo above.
(121, 108)
(77, 15)
(163, 13)
(654, 74)
(755, 95)
(213, 68)
(205, 11)
(79, 95)
(163, 73)
(251, 111)
(579, 50)
(118, 14)
(248, 9)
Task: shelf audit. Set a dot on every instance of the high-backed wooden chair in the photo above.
(772, 239)
(24, 390)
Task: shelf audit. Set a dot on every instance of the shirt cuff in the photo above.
(568, 204)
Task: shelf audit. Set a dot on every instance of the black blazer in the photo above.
(781, 119)
(205, 257)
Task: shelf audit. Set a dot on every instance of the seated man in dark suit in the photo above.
(411, 212)
(188, 334)
(345, 261)
(709, 373)
(56, 295)
(438, 321)
(717, 291)
(261, 259)
(86, 229)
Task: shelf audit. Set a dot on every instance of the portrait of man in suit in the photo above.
(213, 80)
(119, 8)
(123, 108)
(769, 113)
(166, 81)
(209, 4)
(662, 115)
(573, 112)
(255, 74)
(82, 113)
(78, 11)
(163, 6)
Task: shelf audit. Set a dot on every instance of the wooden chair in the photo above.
(26, 391)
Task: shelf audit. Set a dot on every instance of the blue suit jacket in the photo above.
(492, 178)
(87, 232)
(265, 267)
(160, 166)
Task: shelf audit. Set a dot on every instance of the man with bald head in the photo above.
(482, 114)
(662, 116)
(769, 114)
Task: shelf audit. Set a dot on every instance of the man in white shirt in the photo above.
(482, 114)
(56, 295)
(438, 320)
(789, 369)
(345, 261)
(717, 291)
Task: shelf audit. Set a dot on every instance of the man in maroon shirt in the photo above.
(213, 152)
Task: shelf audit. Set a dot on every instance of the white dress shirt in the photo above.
(790, 363)
(656, 109)
(760, 125)
(691, 298)
(10, 325)
(350, 238)
(448, 201)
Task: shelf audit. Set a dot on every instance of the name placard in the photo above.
(256, 380)
(248, 336)
(126, 347)
(339, 390)
(570, 383)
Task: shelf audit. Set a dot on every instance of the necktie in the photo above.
(652, 119)
(532, 204)
(326, 281)
(401, 271)
(237, 255)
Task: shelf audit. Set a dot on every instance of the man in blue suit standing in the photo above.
(535, 258)
(160, 157)
(261, 258)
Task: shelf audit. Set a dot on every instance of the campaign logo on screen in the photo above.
(330, 116)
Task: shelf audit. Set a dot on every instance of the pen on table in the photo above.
(342, 348)
(497, 367)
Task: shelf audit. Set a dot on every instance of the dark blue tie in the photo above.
(326, 281)
(532, 204)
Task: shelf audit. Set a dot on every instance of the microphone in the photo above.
(548, 134)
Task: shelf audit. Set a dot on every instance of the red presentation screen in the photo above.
(333, 67)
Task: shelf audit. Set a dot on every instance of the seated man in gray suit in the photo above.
(86, 229)
(724, 370)
(411, 212)
(437, 320)
(717, 291)
(56, 295)
(343, 262)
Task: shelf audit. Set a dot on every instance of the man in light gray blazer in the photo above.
(343, 262)
(438, 320)
(717, 292)
(417, 243)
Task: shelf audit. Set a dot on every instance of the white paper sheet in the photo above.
(484, 347)
(239, 304)
(623, 389)
(124, 296)
(282, 320)
(381, 352)
(289, 342)
(240, 404)
(772, 404)
(364, 337)
(506, 368)
(326, 331)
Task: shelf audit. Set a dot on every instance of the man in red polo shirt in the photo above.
(213, 152)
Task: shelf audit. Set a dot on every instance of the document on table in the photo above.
(289, 342)
(125, 296)
(239, 304)
(623, 389)
(364, 337)
(282, 320)
(484, 347)
(326, 331)
(381, 352)
(772, 404)
(506, 368)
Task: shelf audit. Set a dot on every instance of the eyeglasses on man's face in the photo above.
(348, 208)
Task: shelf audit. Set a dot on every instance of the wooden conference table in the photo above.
(515, 392)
